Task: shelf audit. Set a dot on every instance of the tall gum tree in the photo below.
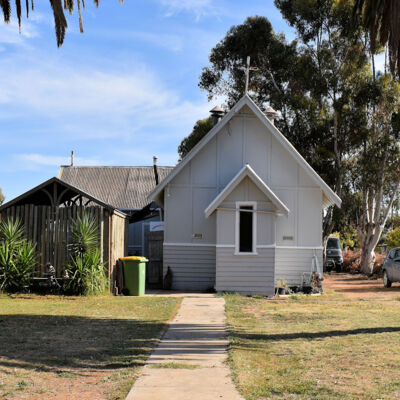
(377, 172)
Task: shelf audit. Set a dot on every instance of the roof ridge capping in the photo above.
(115, 166)
(247, 171)
(332, 197)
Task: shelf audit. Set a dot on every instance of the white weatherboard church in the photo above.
(243, 209)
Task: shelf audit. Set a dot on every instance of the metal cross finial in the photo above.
(248, 69)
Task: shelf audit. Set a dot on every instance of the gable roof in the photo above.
(330, 195)
(42, 195)
(249, 172)
(125, 188)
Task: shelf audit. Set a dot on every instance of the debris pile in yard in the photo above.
(352, 261)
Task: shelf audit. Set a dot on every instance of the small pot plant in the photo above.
(316, 283)
(282, 286)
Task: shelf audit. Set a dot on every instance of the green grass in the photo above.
(175, 365)
(51, 343)
(326, 347)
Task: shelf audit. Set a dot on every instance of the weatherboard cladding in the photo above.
(292, 263)
(125, 188)
(245, 274)
(193, 267)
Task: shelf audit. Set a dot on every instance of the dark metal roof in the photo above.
(125, 188)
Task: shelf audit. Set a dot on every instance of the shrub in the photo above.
(352, 261)
(393, 238)
(17, 257)
(85, 270)
(87, 275)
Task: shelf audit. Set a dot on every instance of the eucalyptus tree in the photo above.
(377, 167)
(200, 129)
(58, 7)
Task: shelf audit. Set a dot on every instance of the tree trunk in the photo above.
(367, 259)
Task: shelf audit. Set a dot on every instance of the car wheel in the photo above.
(386, 281)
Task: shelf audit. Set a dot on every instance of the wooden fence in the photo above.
(49, 229)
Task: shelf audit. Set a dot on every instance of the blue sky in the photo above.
(122, 92)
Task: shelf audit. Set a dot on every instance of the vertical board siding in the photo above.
(193, 267)
(118, 243)
(245, 274)
(291, 264)
(50, 230)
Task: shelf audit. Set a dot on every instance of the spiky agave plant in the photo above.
(85, 270)
(87, 275)
(84, 235)
(58, 8)
(17, 257)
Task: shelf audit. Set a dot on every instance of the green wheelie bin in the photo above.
(134, 275)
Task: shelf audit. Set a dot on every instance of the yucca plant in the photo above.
(17, 257)
(85, 270)
(87, 275)
(84, 235)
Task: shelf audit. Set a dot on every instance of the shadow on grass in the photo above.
(366, 289)
(313, 335)
(51, 343)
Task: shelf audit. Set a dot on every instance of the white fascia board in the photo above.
(249, 172)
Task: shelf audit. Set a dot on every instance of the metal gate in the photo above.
(154, 268)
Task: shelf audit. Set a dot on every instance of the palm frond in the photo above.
(6, 9)
(381, 18)
(80, 16)
(18, 8)
(59, 21)
(57, 6)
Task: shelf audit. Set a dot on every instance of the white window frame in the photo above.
(237, 228)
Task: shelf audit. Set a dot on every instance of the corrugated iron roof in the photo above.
(125, 188)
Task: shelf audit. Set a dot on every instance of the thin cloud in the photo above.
(92, 103)
(35, 161)
(200, 8)
(169, 42)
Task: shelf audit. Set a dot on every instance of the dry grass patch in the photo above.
(77, 347)
(326, 347)
(174, 365)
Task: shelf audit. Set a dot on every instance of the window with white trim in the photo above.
(246, 228)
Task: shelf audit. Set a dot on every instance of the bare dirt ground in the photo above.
(358, 286)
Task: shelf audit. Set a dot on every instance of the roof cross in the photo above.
(248, 69)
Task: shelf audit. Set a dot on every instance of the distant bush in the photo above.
(87, 275)
(352, 261)
(348, 237)
(17, 257)
(393, 238)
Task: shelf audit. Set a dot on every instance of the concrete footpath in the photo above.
(196, 338)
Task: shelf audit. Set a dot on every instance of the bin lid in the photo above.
(134, 258)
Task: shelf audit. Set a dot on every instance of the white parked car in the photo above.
(391, 267)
